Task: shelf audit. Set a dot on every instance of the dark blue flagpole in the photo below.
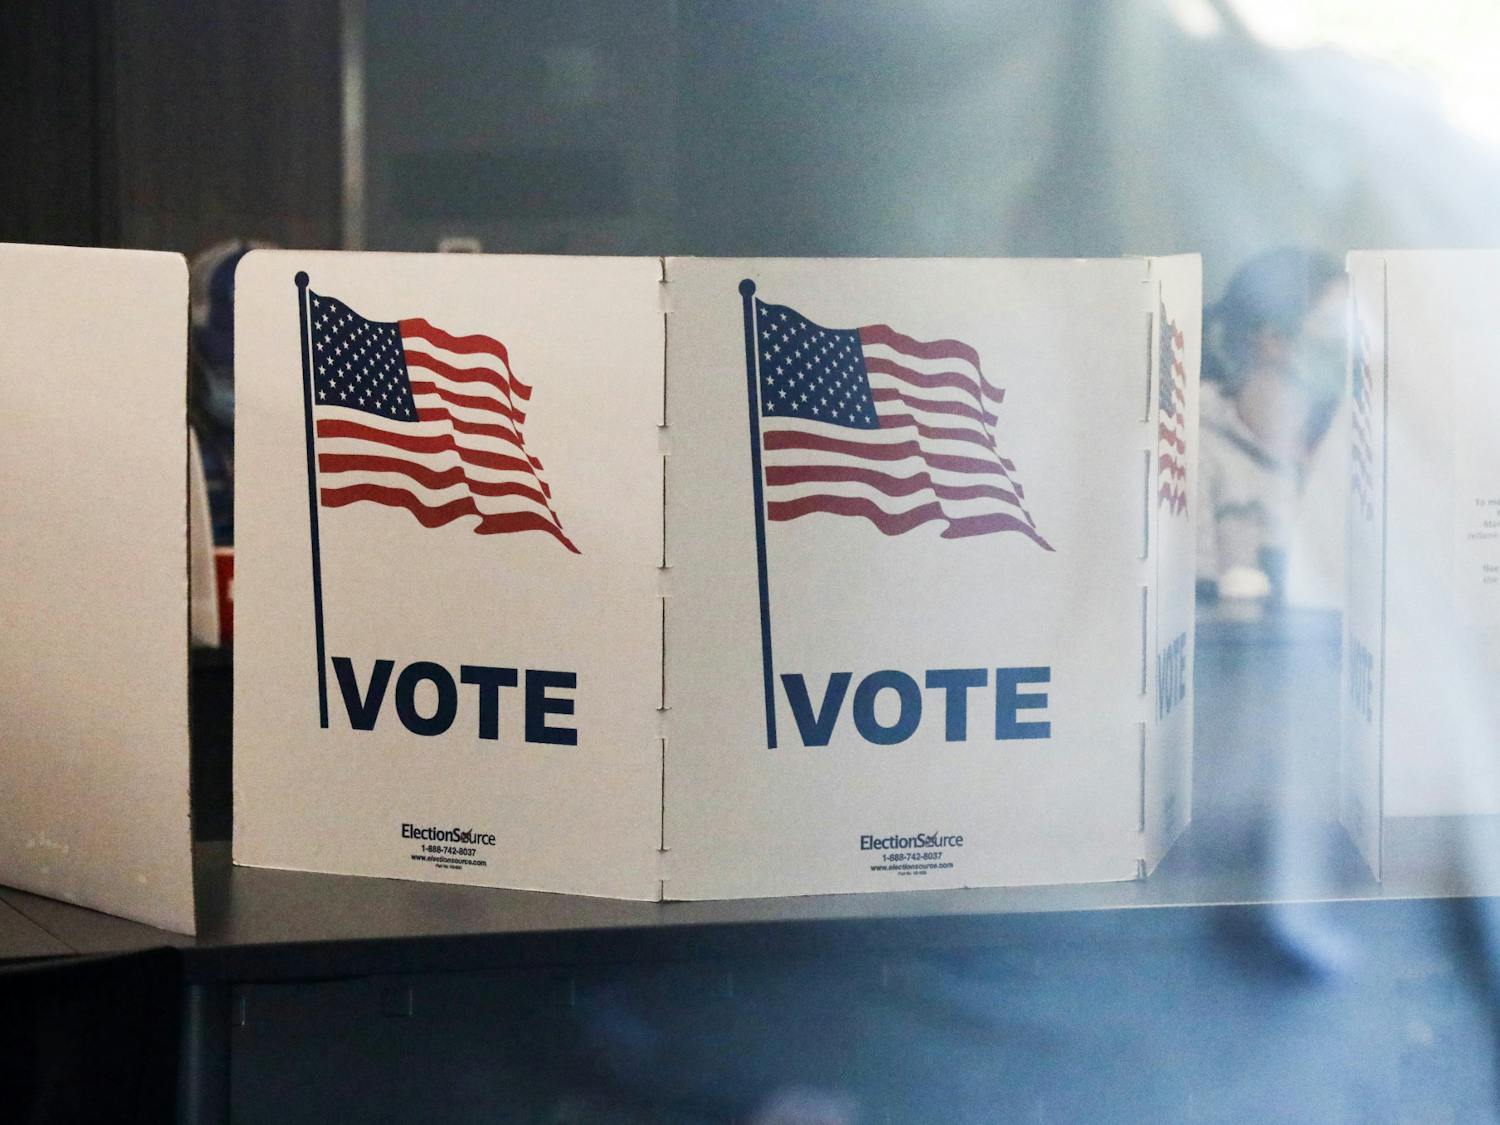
(752, 381)
(312, 494)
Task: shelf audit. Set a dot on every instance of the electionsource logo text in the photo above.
(448, 835)
(920, 840)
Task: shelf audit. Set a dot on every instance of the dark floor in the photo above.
(1223, 1026)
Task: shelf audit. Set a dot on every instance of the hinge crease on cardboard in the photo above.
(1146, 505)
(1150, 363)
(664, 301)
(663, 565)
(1141, 732)
(1145, 636)
(661, 838)
(662, 706)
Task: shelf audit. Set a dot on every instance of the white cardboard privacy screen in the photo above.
(504, 643)
(93, 581)
(1421, 711)
(1168, 775)
(1046, 605)
(1360, 789)
(961, 670)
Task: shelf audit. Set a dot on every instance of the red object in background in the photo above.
(224, 574)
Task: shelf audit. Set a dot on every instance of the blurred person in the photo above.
(1274, 370)
(1273, 375)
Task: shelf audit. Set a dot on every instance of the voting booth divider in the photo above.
(94, 765)
(697, 578)
(707, 578)
(1422, 618)
(655, 579)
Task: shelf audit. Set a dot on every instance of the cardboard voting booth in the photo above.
(1422, 622)
(448, 529)
(972, 581)
(696, 578)
(93, 581)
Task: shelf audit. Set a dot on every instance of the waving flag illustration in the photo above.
(1171, 424)
(872, 424)
(413, 417)
(406, 415)
(1362, 462)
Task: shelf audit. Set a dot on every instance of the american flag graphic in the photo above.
(1362, 460)
(1171, 422)
(410, 416)
(870, 423)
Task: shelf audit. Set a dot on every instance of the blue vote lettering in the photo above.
(816, 722)
(816, 729)
(907, 717)
(1009, 702)
(1171, 676)
(363, 711)
(542, 698)
(406, 698)
(1361, 679)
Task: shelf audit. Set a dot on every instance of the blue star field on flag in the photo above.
(813, 373)
(359, 364)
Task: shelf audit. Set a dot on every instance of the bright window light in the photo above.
(1451, 43)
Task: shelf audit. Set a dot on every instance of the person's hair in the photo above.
(1276, 290)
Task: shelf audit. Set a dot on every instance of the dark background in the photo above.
(932, 127)
(170, 125)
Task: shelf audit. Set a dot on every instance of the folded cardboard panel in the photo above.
(93, 581)
(707, 578)
(1360, 779)
(913, 603)
(448, 663)
(1423, 650)
(1167, 779)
